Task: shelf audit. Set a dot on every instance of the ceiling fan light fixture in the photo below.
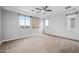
(43, 11)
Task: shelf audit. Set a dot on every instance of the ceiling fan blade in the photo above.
(48, 10)
(33, 10)
(38, 12)
(67, 7)
(45, 7)
(38, 8)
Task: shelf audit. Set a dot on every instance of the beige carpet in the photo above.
(40, 44)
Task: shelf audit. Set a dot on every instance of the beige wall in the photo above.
(58, 26)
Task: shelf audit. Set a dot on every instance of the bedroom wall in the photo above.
(58, 26)
(11, 27)
(0, 23)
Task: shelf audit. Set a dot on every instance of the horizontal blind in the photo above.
(35, 22)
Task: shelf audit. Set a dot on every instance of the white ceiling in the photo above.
(27, 9)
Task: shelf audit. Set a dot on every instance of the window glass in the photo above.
(24, 21)
(21, 20)
(27, 21)
(46, 23)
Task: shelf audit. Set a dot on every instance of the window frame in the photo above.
(46, 22)
(25, 21)
(70, 24)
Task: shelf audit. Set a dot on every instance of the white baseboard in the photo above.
(19, 37)
(63, 37)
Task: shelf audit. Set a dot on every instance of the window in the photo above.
(24, 21)
(71, 22)
(46, 23)
(35, 22)
(27, 21)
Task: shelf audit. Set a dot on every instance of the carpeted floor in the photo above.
(40, 44)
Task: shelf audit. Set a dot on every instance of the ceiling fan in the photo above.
(43, 10)
(68, 7)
